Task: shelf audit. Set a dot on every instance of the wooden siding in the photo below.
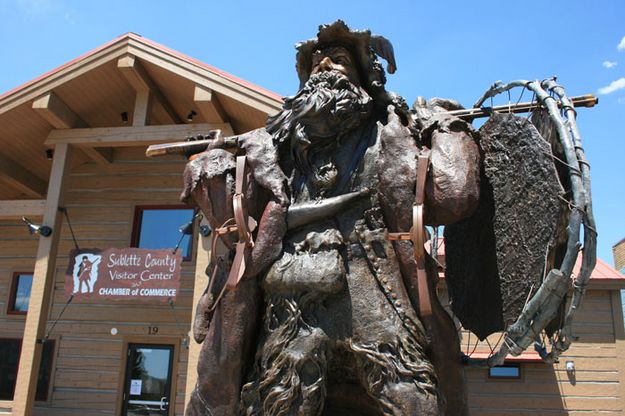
(89, 362)
(594, 388)
(618, 251)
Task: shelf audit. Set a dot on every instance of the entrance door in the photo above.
(148, 380)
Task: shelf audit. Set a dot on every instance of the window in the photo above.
(507, 371)
(159, 227)
(9, 362)
(20, 293)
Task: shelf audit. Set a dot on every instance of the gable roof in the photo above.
(160, 55)
(94, 90)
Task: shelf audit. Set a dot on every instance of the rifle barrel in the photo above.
(187, 147)
(231, 143)
(469, 114)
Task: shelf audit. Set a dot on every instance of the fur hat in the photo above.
(364, 47)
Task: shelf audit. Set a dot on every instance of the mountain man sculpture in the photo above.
(326, 300)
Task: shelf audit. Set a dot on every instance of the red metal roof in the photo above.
(602, 272)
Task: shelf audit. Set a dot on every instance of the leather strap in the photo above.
(417, 234)
(423, 163)
(243, 226)
(224, 229)
(242, 222)
(238, 200)
(425, 303)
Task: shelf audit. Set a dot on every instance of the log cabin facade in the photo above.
(75, 139)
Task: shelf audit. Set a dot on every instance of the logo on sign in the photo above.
(85, 272)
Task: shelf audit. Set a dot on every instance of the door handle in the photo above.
(164, 403)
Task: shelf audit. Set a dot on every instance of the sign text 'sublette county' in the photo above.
(126, 273)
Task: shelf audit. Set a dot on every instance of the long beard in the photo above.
(328, 105)
(313, 121)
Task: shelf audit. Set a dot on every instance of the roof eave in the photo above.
(56, 76)
(129, 43)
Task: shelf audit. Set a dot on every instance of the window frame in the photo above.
(45, 394)
(138, 220)
(169, 387)
(13, 294)
(150, 340)
(518, 366)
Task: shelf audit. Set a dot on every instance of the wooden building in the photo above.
(618, 252)
(589, 378)
(75, 139)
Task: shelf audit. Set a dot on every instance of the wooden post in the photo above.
(146, 90)
(141, 113)
(42, 288)
(619, 339)
(199, 285)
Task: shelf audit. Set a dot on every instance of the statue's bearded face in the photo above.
(335, 58)
(331, 102)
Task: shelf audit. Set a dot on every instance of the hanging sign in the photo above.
(125, 274)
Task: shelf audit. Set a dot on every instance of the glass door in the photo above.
(148, 380)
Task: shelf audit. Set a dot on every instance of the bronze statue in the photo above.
(326, 302)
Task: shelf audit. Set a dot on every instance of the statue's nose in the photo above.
(326, 64)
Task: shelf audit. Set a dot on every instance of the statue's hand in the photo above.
(217, 141)
(394, 126)
(262, 157)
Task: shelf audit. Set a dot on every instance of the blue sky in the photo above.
(448, 49)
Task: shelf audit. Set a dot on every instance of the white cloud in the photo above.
(619, 84)
(71, 19)
(609, 64)
(621, 44)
